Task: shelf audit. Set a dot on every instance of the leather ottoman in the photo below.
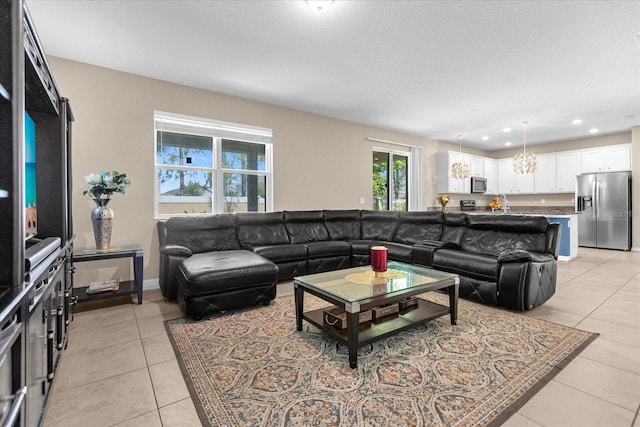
(211, 282)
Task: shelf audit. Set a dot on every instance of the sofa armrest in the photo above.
(170, 258)
(175, 250)
(554, 232)
(527, 283)
(524, 256)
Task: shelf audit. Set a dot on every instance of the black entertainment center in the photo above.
(36, 233)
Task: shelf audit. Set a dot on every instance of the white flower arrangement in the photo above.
(106, 183)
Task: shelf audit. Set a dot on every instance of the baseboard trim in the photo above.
(150, 284)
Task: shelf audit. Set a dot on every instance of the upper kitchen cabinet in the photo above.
(447, 183)
(478, 166)
(524, 183)
(556, 173)
(545, 175)
(606, 159)
(567, 167)
(506, 180)
(510, 182)
(491, 173)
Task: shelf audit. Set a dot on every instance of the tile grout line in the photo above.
(635, 418)
(146, 360)
(617, 405)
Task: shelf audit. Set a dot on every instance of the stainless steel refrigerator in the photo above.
(603, 204)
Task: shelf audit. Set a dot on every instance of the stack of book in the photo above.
(106, 286)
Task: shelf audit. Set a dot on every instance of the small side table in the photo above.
(127, 287)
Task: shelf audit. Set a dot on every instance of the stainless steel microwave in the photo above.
(478, 185)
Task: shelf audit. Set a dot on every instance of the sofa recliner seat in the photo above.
(216, 281)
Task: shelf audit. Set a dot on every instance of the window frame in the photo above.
(217, 131)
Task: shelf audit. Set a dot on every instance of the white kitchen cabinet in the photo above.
(546, 175)
(567, 167)
(506, 176)
(510, 182)
(524, 183)
(556, 172)
(606, 159)
(491, 173)
(592, 161)
(618, 158)
(477, 166)
(447, 183)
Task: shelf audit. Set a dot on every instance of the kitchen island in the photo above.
(568, 235)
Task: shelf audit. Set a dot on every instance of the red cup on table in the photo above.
(379, 259)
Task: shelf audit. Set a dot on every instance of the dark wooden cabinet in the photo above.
(36, 233)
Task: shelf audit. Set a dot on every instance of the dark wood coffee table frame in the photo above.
(355, 334)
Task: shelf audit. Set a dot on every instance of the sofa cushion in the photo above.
(203, 233)
(416, 227)
(379, 225)
(306, 226)
(213, 272)
(282, 253)
(343, 224)
(361, 247)
(261, 229)
(328, 249)
(397, 251)
(471, 264)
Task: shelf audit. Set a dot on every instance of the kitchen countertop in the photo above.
(552, 214)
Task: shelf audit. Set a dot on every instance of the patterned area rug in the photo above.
(252, 368)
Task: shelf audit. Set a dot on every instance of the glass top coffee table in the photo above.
(356, 290)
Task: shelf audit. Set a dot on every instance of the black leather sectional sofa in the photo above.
(505, 260)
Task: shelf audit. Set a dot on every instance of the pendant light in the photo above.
(524, 163)
(460, 170)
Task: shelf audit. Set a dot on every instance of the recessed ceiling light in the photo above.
(576, 122)
(506, 130)
(485, 138)
(594, 130)
(508, 143)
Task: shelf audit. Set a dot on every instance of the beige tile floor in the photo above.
(119, 367)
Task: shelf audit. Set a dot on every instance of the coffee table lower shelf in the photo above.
(374, 330)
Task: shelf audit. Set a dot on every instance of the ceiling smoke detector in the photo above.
(320, 5)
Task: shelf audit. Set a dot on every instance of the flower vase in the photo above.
(444, 207)
(102, 219)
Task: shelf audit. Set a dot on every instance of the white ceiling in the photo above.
(428, 68)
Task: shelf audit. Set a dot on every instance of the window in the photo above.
(390, 180)
(205, 166)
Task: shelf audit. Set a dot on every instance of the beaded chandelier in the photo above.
(460, 170)
(524, 163)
